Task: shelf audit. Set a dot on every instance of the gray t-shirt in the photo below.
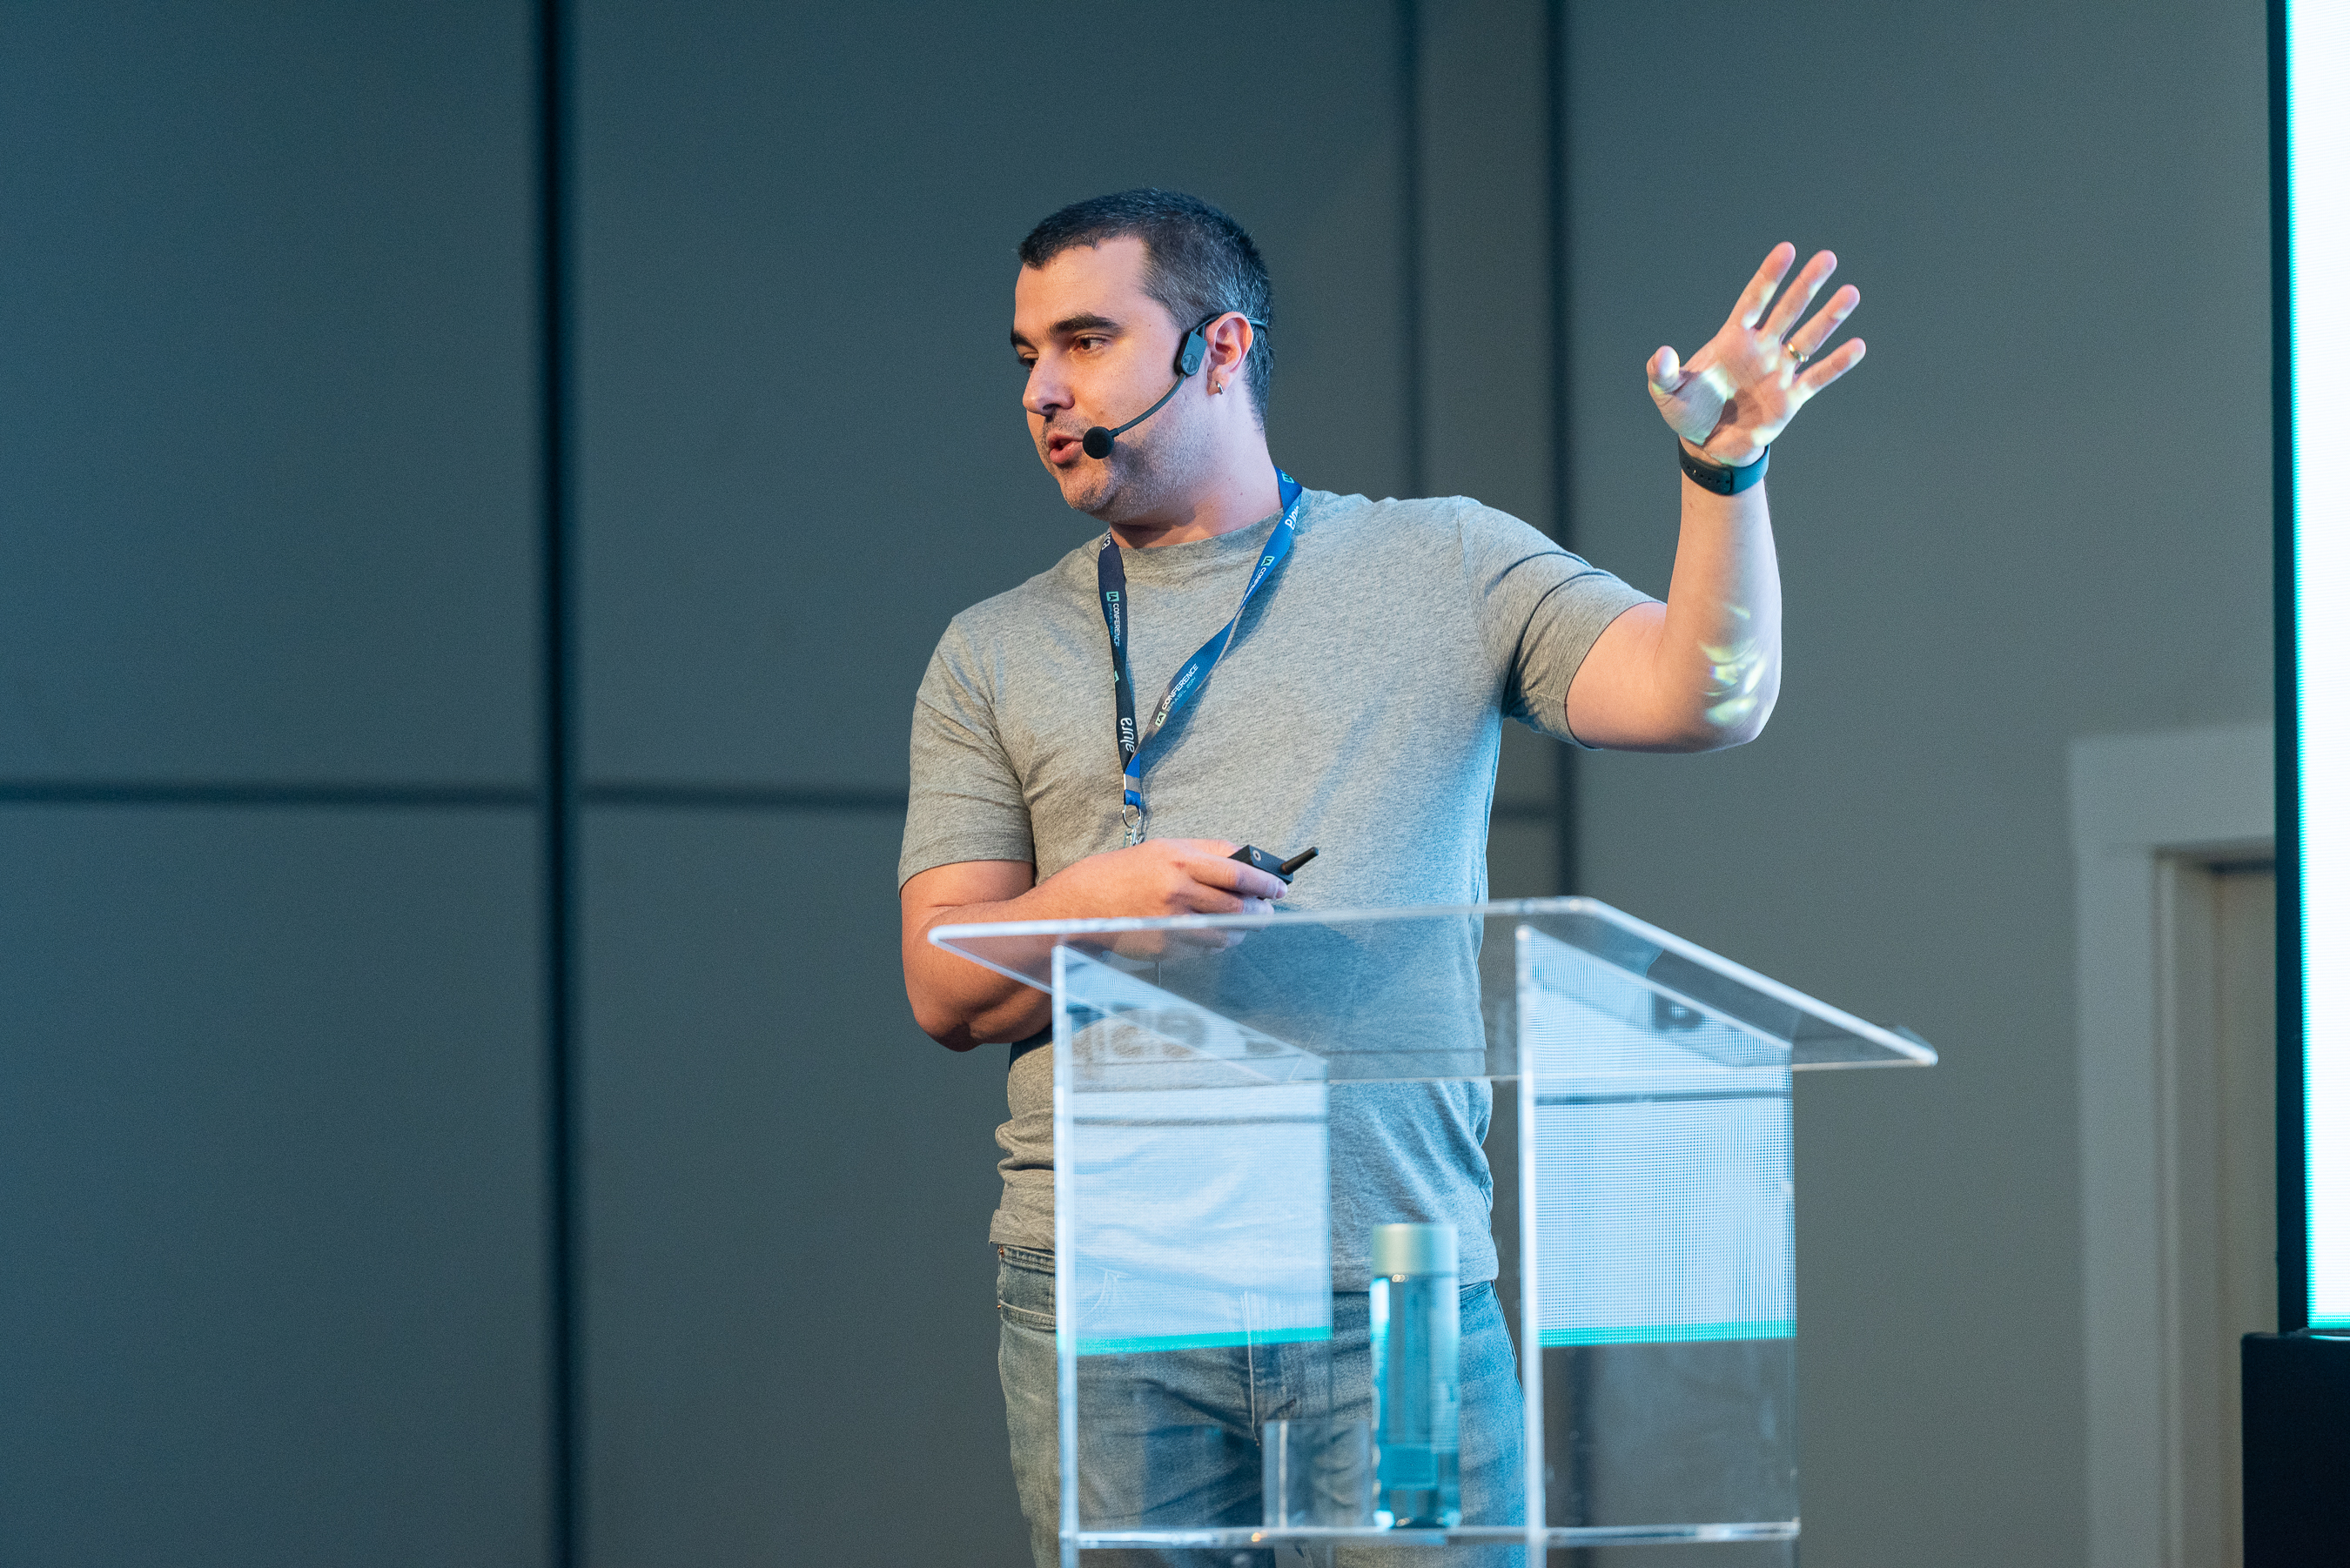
(1359, 709)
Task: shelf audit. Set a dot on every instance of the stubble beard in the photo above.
(1138, 479)
(1087, 485)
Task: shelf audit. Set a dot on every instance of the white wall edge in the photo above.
(2136, 800)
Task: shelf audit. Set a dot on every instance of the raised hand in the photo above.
(1738, 393)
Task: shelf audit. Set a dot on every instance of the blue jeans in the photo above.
(1220, 1399)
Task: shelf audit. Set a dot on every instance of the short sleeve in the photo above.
(1539, 609)
(964, 801)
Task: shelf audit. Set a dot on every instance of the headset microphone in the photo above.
(1099, 440)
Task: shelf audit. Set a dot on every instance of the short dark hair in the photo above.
(1201, 262)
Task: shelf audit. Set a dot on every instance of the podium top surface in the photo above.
(1435, 971)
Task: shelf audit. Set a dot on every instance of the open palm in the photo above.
(1738, 393)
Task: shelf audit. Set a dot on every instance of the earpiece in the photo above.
(1195, 351)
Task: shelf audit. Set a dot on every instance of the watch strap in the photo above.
(1719, 477)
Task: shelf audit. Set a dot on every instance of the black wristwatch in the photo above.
(1721, 478)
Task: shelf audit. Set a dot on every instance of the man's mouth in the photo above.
(1062, 450)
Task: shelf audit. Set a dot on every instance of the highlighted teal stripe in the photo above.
(1670, 1333)
(2329, 1320)
(1149, 1343)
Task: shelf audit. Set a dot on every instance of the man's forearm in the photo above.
(961, 1004)
(1704, 671)
(1715, 663)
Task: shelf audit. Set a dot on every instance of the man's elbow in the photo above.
(942, 1021)
(955, 1034)
(1721, 726)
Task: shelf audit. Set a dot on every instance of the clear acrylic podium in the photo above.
(1217, 1081)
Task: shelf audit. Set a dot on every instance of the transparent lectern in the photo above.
(1234, 1099)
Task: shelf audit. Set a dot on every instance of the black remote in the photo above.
(1250, 855)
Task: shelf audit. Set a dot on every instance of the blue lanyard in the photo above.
(1133, 748)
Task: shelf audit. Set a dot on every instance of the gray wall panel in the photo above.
(803, 449)
(1485, 215)
(790, 1352)
(1485, 296)
(268, 484)
(2058, 226)
(271, 1189)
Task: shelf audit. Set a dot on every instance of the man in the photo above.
(1355, 703)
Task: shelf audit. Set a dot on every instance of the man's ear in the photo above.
(1229, 339)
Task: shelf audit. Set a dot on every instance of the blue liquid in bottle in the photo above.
(1415, 1361)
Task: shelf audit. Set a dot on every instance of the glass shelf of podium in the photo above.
(1238, 1101)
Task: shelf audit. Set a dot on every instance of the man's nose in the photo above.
(1045, 394)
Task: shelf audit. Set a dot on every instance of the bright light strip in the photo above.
(2317, 137)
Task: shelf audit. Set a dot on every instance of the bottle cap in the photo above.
(1415, 1249)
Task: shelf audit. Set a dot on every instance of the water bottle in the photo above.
(1416, 1362)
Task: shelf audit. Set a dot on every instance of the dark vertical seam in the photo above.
(2291, 1103)
(1568, 832)
(1414, 358)
(1576, 1370)
(559, 800)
